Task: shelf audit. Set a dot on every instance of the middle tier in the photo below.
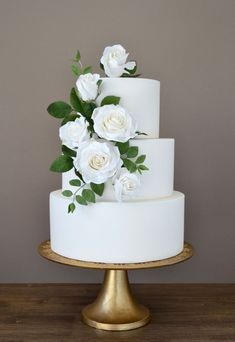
(155, 183)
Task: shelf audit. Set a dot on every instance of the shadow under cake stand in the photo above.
(115, 307)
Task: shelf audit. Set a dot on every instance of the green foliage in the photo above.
(67, 193)
(132, 71)
(75, 101)
(123, 147)
(68, 152)
(81, 200)
(132, 151)
(59, 109)
(99, 82)
(143, 167)
(141, 133)
(71, 207)
(77, 173)
(87, 70)
(76, 70)
(97, 188)
(140, 159)
(101, 66)
(63, 163)
(88, 195)
(77, 57)
(130, 165)
(110, 100)
(75, 182)
(70, 117)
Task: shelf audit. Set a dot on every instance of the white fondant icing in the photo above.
(137, 231)
(155, 183)
(141, 97)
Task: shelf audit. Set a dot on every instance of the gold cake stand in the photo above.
(115, 307)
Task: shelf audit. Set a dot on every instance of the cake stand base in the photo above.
(115, 307)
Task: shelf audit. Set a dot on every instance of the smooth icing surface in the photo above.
(136, 231)
(141, 97)
(155, 183)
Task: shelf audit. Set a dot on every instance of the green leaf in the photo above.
(71, 208)
(77, 173)
(75, 101)
(88, 195)
(123, 147)
(63, 163)
(81, 200)
(110, 100)
(143, 167)
(67, 193)
(132, 151)
(140, 133)
(140, 159)
(132, 71)
(70, 117)
(99, 82)
(130, 165)
(87, 70)
(59, 109)
(97, 188)
(76, 69)
(67, 151)
(75, 182)
(77, 57)
(101, 66)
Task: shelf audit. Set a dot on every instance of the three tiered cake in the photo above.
(137, 217)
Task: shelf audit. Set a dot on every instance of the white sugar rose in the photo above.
(74, 132)
(114, 61)
(126, 184)
(113, 122)
(97, 161)
(87, 86)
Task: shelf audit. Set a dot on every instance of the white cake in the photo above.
(147, 228)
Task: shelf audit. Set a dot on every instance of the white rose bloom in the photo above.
(126, 184)
(113, 122)
(74, 132)
(114, 61)
(87, 86)
(97, 161)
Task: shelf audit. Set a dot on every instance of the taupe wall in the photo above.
(189, 46)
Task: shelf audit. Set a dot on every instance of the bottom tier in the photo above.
(113, 232)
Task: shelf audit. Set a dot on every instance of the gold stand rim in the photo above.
(115, 307)
(45, 251)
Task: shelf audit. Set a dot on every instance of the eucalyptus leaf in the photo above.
(67, 193)
(110, 100)
(59, 109)
(88, 195)
(63, 163)
(97, 188)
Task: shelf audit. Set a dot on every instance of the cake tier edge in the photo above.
(112, 232)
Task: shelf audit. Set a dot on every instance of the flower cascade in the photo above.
(96, 138)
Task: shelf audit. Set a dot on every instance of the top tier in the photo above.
(140, 96)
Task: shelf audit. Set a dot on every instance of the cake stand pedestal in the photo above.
(115, 307)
